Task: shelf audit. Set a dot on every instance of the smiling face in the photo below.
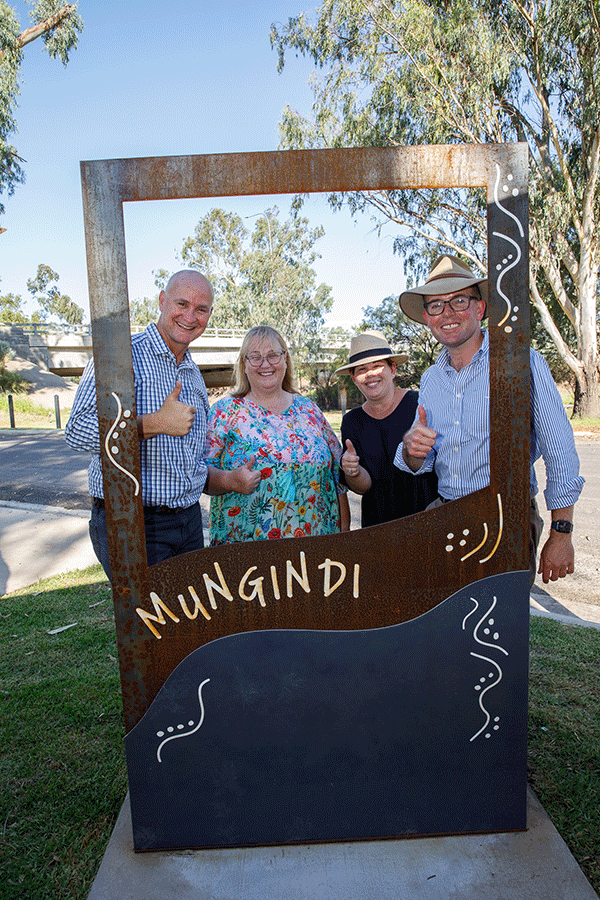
(269, 375)
(457, 329)
(375, 380)
(185, 308)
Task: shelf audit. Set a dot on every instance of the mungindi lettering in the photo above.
(256, 584)
(301, 579)
(327, 588)
(275, 583)
(148, 618)
(334, 575)
(198, 606)
(222, 589)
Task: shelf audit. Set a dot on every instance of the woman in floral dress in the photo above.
(273, 458)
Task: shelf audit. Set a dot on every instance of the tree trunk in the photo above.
(587, 394)
(587, 337)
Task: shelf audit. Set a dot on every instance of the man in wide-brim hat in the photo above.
(372, 432)
(449, 275)
(451, 431)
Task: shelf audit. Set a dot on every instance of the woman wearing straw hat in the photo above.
(372, 432)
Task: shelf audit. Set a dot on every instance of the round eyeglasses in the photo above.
(255, 359)
(458, 304)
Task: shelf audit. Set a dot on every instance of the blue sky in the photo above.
(149, 79)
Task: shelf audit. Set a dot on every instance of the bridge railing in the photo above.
(61, 328)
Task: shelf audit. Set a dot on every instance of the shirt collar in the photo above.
(161, 348)
(443, 360)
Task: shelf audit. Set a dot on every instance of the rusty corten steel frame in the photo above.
(366, 579)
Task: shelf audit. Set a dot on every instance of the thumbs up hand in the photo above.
(245, 479)
(350, 461)
(178, 416)
(419, 439)
(174, 417)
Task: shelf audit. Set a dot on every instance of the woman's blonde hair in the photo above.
(258, 334)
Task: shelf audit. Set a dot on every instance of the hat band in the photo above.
(449, 275)
(365, 354)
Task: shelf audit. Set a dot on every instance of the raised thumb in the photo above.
(350, 446)
(249, 464)
(422, 416)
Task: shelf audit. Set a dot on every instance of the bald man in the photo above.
(172, 408)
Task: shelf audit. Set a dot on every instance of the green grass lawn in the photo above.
(62, 762)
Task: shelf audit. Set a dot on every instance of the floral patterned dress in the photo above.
(298, 456)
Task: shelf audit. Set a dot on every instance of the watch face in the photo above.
(563, 526)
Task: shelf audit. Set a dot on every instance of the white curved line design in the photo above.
(110, 456)
(487, 643)
(484, 691)
(485, 658)
(504, 271)
(475, 608)
(499, 204)
(186, 733)
(505, 237)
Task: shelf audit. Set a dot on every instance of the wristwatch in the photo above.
(562, 525)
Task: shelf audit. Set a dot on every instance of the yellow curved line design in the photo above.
(479, 546)
(500, 528)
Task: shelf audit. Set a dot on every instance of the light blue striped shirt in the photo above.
(173, 468)
(457, 405)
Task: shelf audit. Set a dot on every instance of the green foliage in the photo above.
(10, 382)
(263, 276)
(51, 301)
(142, 312)
(59, 26)
(475, 71)
(10, 309)
(324, 386)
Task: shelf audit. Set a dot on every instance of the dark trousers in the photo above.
(169, 532)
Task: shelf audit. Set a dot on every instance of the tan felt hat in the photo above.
(448, 274)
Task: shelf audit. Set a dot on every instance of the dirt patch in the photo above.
(44, 385)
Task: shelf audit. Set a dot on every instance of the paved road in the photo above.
(39, 467)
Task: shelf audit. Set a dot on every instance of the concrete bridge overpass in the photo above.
(65, 350)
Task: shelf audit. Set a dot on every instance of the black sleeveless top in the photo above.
(394, 494)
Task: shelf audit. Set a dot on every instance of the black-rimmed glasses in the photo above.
(255, 359)
(458, 304)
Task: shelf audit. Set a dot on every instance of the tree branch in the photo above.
(30, 34)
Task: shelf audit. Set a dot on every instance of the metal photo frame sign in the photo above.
(363, 685)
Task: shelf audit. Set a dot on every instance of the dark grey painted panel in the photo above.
(275, 737)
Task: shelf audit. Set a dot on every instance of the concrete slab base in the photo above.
(535, 864)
